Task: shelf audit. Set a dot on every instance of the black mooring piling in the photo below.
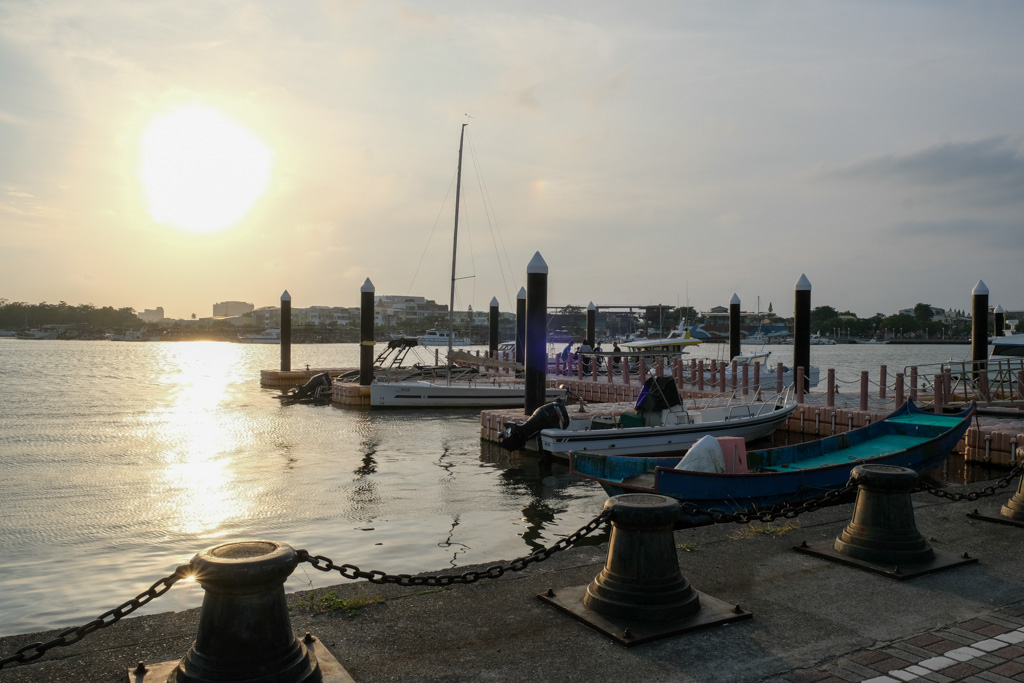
(734, 326)
(492, 332)
(286, 332)
(802, 329)
(536, 360)
(520, 325)
(366, 318)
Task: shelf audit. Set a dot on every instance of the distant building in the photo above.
(229, 309)
(389, 308)
(153, 315)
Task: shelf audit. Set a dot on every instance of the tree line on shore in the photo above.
(656, 319)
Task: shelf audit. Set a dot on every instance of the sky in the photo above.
(181, 154)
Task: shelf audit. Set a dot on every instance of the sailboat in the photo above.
(458, 387)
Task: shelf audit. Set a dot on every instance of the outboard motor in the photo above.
(314, 388)
(550, 415)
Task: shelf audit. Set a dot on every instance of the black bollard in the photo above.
(366, 317)
(1012, 512)
(1000, 322)
(641, 594)
(802, 330)
(979, 327)
(882, 536)
(1014, 508)
(286, 332)
(521, 325)
(492, 337)
(734, 328)
(536, 358)
(245, 632)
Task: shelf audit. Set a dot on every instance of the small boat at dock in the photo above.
(909, 437)
(659, 424)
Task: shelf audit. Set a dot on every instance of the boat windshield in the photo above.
(657, 394)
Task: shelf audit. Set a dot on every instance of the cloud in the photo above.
(987, 170)
(1001, 234)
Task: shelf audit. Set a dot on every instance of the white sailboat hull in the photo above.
(455, 395)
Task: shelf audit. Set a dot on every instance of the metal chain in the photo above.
(34, 651)
(350, 571)
(973, 495)
(770, 514)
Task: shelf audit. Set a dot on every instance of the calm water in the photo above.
(122, 460)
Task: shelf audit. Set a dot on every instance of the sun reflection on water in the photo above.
(198, 487)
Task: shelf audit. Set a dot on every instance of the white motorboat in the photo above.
(677, 341)
(818, 340)
(271, 335)
(659, 424)
(479, 392)
(134, 336)
(1011, 346)
(442, 338)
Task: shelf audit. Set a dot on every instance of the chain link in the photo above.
(766, 515)
(973, 495)
(350, 571)
(34, 651)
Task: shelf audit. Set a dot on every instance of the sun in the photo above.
(200, 170)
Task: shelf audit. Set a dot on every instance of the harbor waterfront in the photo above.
(123, 460)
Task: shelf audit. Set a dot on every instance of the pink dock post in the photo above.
(947, 385)
(757, 377)
(882, 372)
(734, 376)
(864, 390)
(746, 379)
(831, 388)
(700, 375)
(693, 371)
(899, 389)
(913, 382)
(659, 366)
(800, 384)
(778, 378)
(721, 377)
(642, 370)
(939, 394)
(608, 369)
(983, 392)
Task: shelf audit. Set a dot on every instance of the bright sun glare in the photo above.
(200, 170)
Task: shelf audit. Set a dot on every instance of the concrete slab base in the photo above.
(999, 519)
(330, 667)
(713, 612)
(942, 560)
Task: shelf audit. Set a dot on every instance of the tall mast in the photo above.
(455, 248)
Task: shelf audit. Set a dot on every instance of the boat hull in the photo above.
(907, 438)
(455, 395)
(674, 439)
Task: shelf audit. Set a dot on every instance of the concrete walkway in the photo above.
(813, 620)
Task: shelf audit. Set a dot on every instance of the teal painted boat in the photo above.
(909, 437)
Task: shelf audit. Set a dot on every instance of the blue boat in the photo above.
(794, 474)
